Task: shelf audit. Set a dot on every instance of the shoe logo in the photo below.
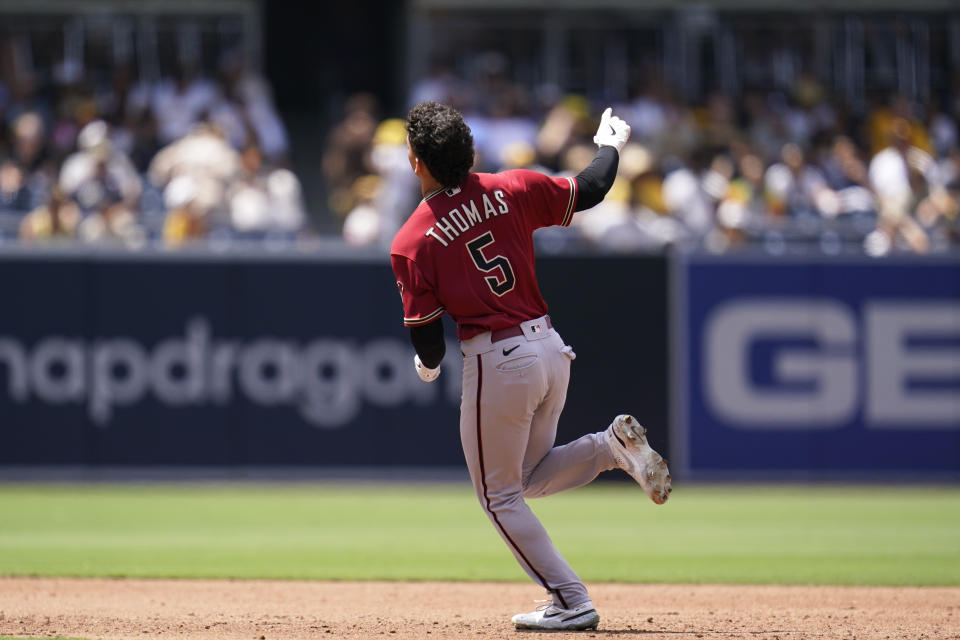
(578, 615)
(507, 352)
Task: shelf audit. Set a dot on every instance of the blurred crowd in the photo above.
(108, 158)
(111, 158)
(776, 170)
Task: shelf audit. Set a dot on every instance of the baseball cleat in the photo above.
(553, 618)
(628, 443)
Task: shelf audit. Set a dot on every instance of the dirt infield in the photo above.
(254, 610)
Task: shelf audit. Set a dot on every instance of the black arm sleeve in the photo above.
(429, 343)
(594, 181)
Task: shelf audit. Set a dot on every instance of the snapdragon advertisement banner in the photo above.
(818, 366)
(173, 360)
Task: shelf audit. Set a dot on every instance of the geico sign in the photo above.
(327, 380)
(899, 361)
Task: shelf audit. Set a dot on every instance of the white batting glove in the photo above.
(613, 131)
(426, 373)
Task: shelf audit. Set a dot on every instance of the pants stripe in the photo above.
(486, 497)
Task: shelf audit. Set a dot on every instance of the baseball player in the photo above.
(467, 250)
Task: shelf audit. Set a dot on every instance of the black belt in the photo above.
(510, 332)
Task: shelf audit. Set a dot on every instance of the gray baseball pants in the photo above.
(513, 393)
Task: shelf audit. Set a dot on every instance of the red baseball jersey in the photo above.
(468, 251)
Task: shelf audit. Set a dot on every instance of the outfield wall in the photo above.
(760, 367)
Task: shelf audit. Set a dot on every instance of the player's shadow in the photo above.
(661, 632)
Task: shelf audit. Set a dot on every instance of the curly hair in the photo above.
(442, 140)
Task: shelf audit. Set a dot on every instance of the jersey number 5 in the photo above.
(499, 283)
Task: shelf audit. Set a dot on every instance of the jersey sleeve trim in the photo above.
(430, 317)
(568, 215)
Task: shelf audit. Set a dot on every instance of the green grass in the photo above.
(609, 532)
